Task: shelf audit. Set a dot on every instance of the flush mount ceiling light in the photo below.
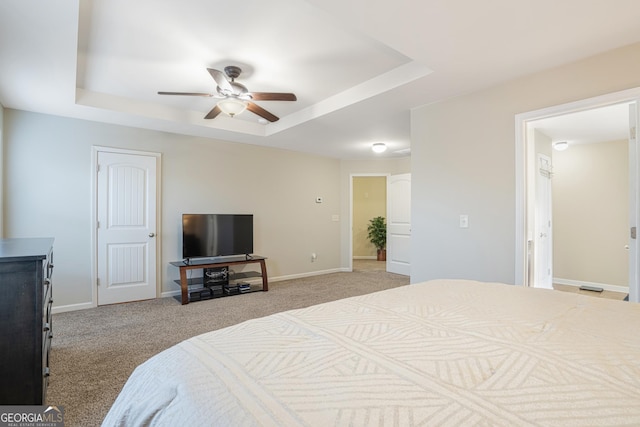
(561, 146)
(232, 106)
(379, 147)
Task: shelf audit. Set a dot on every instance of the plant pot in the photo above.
(382, 254)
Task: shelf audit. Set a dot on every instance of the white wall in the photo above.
(463, 162)
(47, 193)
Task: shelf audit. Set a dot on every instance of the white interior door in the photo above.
(399, 224)
(126, 227)
(634, 280)
(543, 239)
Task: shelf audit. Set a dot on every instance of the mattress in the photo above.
(445, 353)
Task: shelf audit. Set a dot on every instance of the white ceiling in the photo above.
(604, 124)
(357, 67)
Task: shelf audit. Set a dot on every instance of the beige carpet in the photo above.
(94, 351)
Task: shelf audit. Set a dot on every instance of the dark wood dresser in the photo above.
(25, 319)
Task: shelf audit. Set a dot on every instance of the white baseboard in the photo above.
(71, 307)
(170, 293)
(578, 283)
(310, 274)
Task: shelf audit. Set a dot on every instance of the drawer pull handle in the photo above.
(46, 327)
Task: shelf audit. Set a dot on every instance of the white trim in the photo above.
(578, 283)
(71, 307)
(521, 120)
(94, 215)
(309, 274)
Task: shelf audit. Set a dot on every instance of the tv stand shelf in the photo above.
(184, 282)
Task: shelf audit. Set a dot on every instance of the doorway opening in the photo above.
(368, 200)
(606, 217)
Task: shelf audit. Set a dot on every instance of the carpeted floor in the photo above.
(94, 351)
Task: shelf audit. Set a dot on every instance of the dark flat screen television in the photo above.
(215, 235)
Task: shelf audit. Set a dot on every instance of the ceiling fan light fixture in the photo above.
(232, 106)
(379, 147)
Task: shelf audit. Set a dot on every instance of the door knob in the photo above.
(152, 235)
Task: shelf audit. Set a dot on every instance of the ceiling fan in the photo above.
(235, 97)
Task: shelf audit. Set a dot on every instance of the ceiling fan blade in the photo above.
(273, 96)
(209, 95)
(221, 79)
(256, 109)
(213, 113)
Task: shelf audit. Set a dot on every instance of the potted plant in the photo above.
(377, 229)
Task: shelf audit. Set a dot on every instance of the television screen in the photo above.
(213, 235)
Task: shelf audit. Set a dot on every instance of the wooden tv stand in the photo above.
(184, 282)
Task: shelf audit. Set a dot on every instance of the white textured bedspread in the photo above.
(450, 353)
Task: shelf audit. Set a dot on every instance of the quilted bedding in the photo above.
(445, 353)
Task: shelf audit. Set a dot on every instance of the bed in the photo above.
(445, 352)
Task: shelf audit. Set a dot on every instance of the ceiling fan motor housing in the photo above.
(232, 71)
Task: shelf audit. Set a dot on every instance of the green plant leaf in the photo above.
(377, 229)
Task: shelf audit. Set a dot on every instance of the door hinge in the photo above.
(97, 224)
(633, 232)
(632, 133)
(97, 282)
(98, 167)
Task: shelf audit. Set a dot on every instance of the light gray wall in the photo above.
(48, 193)
(463, 162)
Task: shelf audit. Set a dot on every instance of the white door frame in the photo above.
(351, 176)
(523, 177)
(94, 215)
